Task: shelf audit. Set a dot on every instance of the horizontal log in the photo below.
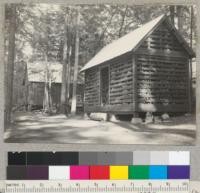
(125, 80)
(123, 71)
(121, 89)
(160, 86)
(161, 68)
(121, 97)
(161, 89)
(172, 54)
(120, 76)
(161, 57)
(162, 62)
(158, 77)
(91, 95)
(171, 73)
(165, 70)
(91, 89)
(115, 109)
(119, 64)
(121, 101)
(127, 92)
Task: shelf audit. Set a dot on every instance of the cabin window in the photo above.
(104, 86)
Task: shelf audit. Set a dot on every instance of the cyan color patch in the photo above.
(157, 172)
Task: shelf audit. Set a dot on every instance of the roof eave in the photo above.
(126, 53)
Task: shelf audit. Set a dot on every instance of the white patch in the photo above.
(59, 173)
(179, 158)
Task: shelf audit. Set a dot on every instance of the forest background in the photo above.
(71, 36)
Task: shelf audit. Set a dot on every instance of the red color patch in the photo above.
(99, 172)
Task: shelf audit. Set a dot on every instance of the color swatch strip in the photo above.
(99, 165)
(100, 158)
(97, 172)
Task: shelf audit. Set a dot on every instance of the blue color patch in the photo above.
(158, 172)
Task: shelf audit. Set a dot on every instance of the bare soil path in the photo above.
(39, 128)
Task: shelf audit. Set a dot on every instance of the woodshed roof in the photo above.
(131, 41)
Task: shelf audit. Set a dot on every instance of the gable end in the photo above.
(166, 38)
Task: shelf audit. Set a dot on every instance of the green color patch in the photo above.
(138, 172)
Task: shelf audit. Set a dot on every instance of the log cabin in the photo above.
(36, 82)
(36, 72)
(147, 70)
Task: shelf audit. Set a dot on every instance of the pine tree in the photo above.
(74, 97)
(65, 74)
(46, 45)
(10, 63)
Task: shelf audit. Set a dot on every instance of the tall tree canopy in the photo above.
(47, 32)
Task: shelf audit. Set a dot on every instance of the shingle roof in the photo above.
(36, 71)
(130, 42)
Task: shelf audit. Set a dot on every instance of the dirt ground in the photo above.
(35, 127)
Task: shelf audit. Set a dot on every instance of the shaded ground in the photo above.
(39, 128)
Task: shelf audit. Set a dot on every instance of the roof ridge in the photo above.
(96, 60)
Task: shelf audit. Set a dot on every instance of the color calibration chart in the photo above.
(138, 165)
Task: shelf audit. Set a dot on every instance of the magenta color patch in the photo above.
(79, 172)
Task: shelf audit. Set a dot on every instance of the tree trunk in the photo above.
(64, 88)
(122, 22)
(68, 74)
(172, 13)
(180, 18)
(74, 99)
(47, 103)
(49, 91)
(10, 65)
(191, 26)
(46, 97)
(191, 96)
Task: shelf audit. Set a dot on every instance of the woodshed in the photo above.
(147, 70)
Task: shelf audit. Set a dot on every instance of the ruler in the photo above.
(96, 186)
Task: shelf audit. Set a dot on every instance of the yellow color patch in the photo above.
(118, 172)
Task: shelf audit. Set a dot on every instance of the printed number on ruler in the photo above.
(97, 186)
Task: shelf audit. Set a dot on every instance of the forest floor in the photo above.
(35, 127)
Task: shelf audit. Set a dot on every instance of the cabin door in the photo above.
(104, 86)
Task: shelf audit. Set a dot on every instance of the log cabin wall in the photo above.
(162, 73)
(121, 85)
(92, 89)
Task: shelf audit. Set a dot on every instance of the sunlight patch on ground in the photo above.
(29, 124)
(38, 128)
(182, 126)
